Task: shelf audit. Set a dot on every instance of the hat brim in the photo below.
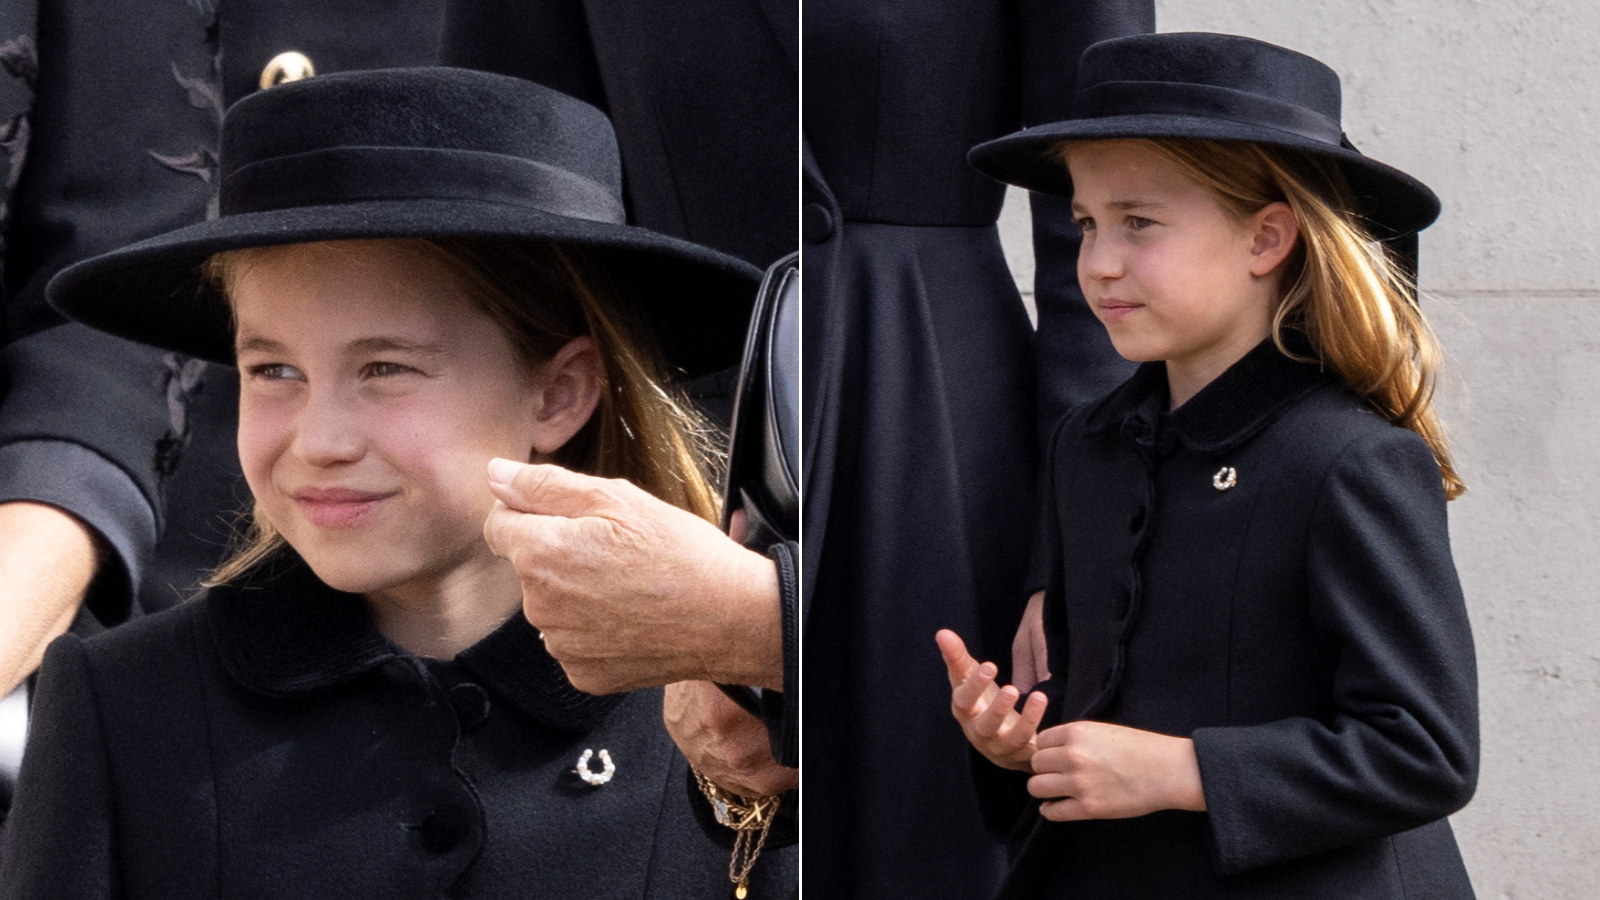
(1391, 201)
(698, 300)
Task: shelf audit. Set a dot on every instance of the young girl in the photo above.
(416, 272)
(1262, 668)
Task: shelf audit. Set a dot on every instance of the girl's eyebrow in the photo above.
(259, 344)
(1126, 205)
(378, 344)
(395, 344)
(1122, 205)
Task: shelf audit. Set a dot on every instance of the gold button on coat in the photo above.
(291, 65)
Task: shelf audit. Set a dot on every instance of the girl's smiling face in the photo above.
(373, 394)
(1170, 272)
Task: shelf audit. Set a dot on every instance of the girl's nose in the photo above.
(328, 430)
(1100, 260)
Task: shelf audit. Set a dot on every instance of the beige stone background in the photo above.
(1495, 104)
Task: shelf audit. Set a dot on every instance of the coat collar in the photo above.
(282, 632)
(1242, 401)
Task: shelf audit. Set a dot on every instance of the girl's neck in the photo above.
(441, 617)
(1188, 375)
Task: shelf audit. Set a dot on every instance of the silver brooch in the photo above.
(590, 776)
(1226, 477)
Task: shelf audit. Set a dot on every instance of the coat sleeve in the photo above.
(780, 710)
(1400, 745)
(92, 177)
(59, 835)
(1076, 359)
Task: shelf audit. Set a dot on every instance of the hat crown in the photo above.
(1224, 61)
(438, 109)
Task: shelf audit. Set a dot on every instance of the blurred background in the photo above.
(1495, 104)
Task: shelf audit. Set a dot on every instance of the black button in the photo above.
(1137, 522)
(471, 703)
(442, 829)
(816, 223)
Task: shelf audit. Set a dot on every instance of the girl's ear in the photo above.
(1274, 233)
(566, 392)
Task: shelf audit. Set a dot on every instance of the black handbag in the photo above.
(764, 439)
(764, 435)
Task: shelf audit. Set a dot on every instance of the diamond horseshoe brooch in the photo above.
(590, 776)
(1226, 477)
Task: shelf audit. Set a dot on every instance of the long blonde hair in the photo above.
(543, 295)
(1354, 304)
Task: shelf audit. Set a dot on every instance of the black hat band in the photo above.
(349, 174)
(1123, 98)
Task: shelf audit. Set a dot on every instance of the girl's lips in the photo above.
(337, 507)
(1117, 310)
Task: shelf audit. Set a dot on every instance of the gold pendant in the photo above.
(741, 892)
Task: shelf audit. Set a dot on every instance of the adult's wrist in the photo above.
(749, 611)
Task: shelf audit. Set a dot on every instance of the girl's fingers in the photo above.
(1050, 785)
(958, 662)
(1026, 726)
(1067, 809)
(988, 724)
(965, 699)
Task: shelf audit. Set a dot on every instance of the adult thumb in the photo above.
(547, 490)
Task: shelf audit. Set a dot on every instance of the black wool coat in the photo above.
(268, 741)
(920, 406)
(1265, 570)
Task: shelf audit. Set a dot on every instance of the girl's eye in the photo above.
(1084, 224)
(273, 372)
(385, 369)
(1138, 223)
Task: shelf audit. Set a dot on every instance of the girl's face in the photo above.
(1170, 273)
(373, 395)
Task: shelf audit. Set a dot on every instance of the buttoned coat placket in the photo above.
(1267, 571)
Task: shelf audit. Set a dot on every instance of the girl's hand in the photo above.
(987, 713)
(1094, 770)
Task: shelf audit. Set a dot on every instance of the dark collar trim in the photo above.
(1242, 401)
(281, 632)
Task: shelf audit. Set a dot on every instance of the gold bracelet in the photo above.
(750, 818)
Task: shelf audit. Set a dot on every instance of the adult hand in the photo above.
(47, 559)
(987, 713)
(630, 591)
(721, 740)
(1095, 770)
(1030, 658)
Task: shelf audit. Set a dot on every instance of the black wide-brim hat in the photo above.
(1216, 86)
(413, 153)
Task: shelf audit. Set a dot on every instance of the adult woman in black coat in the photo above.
(920, 410)
(365, 359)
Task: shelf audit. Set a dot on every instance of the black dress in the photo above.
(1267, 571)
(920, 409)
(268, 741)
